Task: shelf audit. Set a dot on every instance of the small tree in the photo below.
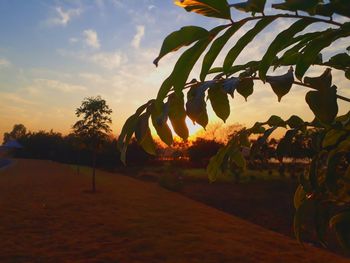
(94, 126)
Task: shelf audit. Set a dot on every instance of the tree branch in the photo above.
(316, 19)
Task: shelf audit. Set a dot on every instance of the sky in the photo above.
(55, 53)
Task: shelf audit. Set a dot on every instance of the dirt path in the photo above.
(46, 216)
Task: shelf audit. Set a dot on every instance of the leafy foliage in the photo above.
(94, 126)
(326, 182)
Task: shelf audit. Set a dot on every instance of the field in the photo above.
(48, 215)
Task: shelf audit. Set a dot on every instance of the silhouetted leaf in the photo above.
(347, 74)
(217, 8)
(281, 85)
(323, 104)
(216, 47)
(245, 87)
(295, 122)
(196, 107)
(341, 224)
(177, 115)
(295, 5)
(244, 41)
(275, 121)
(341, 7)
(339, 61)
(254, 6)
(324, 10)
(230, 85)
(284, 147)
(313, 48)
(279, 43)
(323, 82)
(183, 37)
(219, 101)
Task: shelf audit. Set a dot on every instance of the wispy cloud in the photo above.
(4, 63)
(108, 60)
(91, 38)
(140, 32)
(44, 84)
(63, 17)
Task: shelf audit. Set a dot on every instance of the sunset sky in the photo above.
(55, 53)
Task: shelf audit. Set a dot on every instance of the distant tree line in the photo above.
(71, 149)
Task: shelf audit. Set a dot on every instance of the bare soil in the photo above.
(48, 215)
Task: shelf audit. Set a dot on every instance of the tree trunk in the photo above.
(94, 170)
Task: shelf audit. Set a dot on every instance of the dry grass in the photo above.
(47, 216)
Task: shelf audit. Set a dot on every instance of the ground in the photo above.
(47, 215)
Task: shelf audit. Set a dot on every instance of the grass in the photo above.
(47, 216)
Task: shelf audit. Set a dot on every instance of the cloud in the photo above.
(140, 32)
(63, 17)
(91, 38)
(108, 60)
(45, 84)
(4, 63)
(73, 40)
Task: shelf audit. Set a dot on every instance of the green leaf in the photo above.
(187, 60)
(279, 43)
(281, 85)
(341, 224)
(128, 130)
(295, 122)
(299, 196)
(299, 217)
(177, 115)
(183, 37)
(313, 48)
(217, 8)
(322, 217)
(143, 134)
(159, 118)
(214, 166)
(244, 41)
(254, 6)
(245, 87)
(196, 107)
(219, 101)
(323, 82)
(236, 157)
(332, 137)
(323, 104)
(216, 47)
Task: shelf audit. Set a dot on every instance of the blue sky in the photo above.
(55, 53)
